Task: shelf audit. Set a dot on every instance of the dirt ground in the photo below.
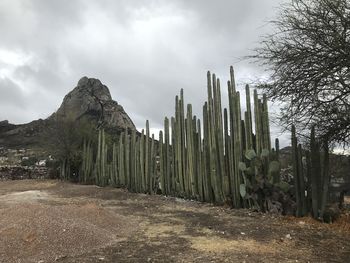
(52, 221)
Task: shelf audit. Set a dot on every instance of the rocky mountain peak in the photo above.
(95, 88)
(92, 100)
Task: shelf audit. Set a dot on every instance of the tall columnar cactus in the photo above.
(103, 160)
(212, 145)
(299, 183)
(127, 158)
(258, 129)
(142, 162)
(114, 172)
(207, 188)
(190, 154)
(219, 135)
(182, 139)
(138, 166)
(195, 156)
(325, 177)
(248, 120)
(319, 160)
(167, 159)
(266, 125)
(87, 162)
(147, 159)
(178, 147)
(152, 160)
(200, 171)
(277, 148)
(133, 164)
(175, 183)
(162, 163)
(121, 170)
(98, 159)
(315, 172)
(228, 120)
(236, 143)
(243, 137)
(229, 189)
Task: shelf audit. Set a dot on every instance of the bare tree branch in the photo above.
(308, 57)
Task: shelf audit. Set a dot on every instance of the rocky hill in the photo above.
(89, 100)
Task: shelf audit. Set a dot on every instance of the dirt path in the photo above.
(51, 221)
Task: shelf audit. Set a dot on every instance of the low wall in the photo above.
(16, 172)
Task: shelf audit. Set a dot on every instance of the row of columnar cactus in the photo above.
(192, 159)
(311, 176)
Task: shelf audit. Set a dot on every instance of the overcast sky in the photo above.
(144, 51)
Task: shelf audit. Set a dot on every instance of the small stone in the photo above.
(288, 236)
(57, 258)
(242, 233)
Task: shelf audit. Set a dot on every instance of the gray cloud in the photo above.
(10, 93)
(144, 51)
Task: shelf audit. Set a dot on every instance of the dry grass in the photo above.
(342, 224)
(217, 244)
(152, 230)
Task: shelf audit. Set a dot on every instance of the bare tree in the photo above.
(308, 58)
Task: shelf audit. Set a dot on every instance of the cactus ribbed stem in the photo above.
(175, 182)
(142, 163)
(315, 172)
(162, 161)
(190, 153)
(133, 180)
(208, 196)
(167, 160)
(248, 121)
(147, 159)
(152, 167)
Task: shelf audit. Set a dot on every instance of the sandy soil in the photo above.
(52, 221)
